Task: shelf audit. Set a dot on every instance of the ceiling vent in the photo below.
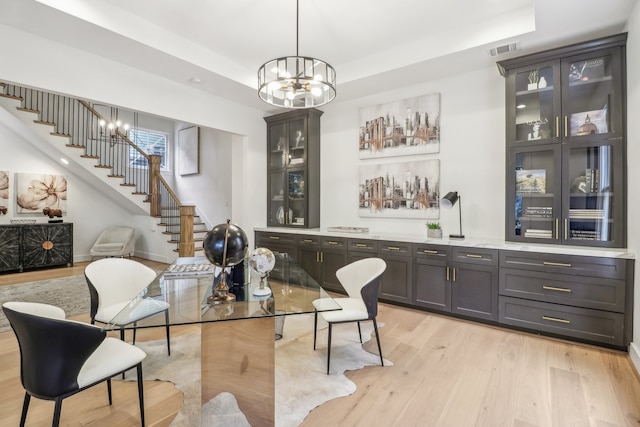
(507, 48)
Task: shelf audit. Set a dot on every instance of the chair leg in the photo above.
(56, 412)
(140, 392)
(109, 391)
(375, 327)
(315, 329)
(166, 316)
(329, 347)
(360, 332)
(135, 328)
(25, 408)
(122, 339)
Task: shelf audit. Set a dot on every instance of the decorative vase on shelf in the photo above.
(542, 83)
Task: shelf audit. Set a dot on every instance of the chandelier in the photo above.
(296, 81)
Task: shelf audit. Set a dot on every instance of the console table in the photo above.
(237, 338)
(29, 246)
(578, 293)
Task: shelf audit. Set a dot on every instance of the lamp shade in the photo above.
(449, 200)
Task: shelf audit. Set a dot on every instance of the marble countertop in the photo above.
(467, 242)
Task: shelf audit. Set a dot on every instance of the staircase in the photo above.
(74, 128)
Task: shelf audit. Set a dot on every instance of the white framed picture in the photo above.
(189, 151)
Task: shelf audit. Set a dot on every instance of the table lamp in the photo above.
(448, 201)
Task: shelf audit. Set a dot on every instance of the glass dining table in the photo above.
(237, 338)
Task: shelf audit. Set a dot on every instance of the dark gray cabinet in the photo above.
(33, 246)
(321, 257)
(566, 145)
(396, 280)
(279, 243)
(432, 277)
(293, 169)
(567, 295)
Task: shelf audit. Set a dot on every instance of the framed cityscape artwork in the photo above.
(38, 191)
(401, 128)
(400, 190)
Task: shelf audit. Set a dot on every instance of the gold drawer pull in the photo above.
(361, 245)
(332, 243)
(393, 248)
(274, 237)
(555, 319)
(308, 241)
(553, 288)
(556, 264)
(430, 251)
(473, 256)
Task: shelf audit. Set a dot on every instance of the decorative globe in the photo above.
(213, 245)
(262, 261)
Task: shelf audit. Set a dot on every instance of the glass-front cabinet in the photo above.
(566, 145)
(293, 180)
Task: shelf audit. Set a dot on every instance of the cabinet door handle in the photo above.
(393, 248)
(308, 241)
(454, 274)
(317, 256)
(321, 256)
(557, 126)
(274, 237)
(361, 245)
(447, 273)
(557, 226)
(555, 319)
(566, 229)
(430, 251)
(473, 256)
(566, 126)
(556, 264)
(553, 288)
(332, 242)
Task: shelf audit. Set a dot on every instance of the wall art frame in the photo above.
(408, 190)
(189, 151)
(36, 191)
(401, 128)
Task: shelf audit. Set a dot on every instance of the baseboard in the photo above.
(634, 354)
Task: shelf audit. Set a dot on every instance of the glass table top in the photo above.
(187, 289)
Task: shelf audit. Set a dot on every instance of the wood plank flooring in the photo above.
(446, 372)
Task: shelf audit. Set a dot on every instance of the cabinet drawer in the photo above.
(589, 292)
(304, 241)
(582, 323)
(394, 248)
(284, 238)
(612, 268)
(475, 256)
(334, 242)
(362, 245)
(426, 251)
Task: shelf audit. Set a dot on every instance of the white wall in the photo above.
(633, 172)
(472, 156)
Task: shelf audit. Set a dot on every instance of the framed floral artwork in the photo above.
(37, 191)
(4, 192)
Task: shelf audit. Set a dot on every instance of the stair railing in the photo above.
(86, 128)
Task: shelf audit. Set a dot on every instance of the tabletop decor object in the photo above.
(262, 262)
(225, 245)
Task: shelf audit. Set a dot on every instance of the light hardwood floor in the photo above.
(447, 372)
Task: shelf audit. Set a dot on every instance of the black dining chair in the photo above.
(361, 279)
(60, 357)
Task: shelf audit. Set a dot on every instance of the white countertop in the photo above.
(467, 242)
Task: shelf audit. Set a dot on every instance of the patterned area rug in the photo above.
(69, 293)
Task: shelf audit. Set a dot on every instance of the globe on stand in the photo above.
(225, 245)
(262, 261)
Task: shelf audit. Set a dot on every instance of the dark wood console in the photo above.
(30, 246)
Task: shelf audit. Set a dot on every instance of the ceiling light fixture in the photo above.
(296, 81)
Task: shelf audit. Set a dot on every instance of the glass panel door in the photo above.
(536, 196)
(277, 197)
(297, 144)
(297, 197)
(536, 104)
(591, 183)
(277, 146)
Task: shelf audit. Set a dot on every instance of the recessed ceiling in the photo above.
(223, 42)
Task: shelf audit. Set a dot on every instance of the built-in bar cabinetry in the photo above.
(566, 145)
(585, 296)
(30, 246)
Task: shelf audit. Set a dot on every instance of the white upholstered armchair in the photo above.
(116, 241)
